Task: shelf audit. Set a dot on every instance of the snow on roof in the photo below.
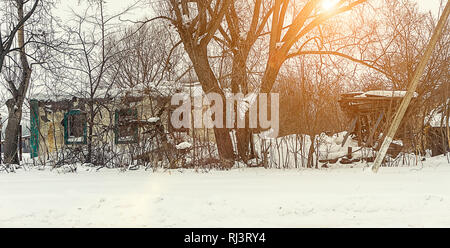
(385, 93)
(43, 94)
(183, 145)
(163, 88)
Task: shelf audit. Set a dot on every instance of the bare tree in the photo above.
(92, 56)
(196, 28)
(19, 82)
(7, 35)
(146, 56)
(198, 22)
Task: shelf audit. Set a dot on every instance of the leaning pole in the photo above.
(411, 89)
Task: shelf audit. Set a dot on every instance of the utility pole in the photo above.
(412, 88)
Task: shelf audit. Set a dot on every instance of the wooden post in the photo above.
(411, 89)
(350, 130)
(374, 129)
(359, 130)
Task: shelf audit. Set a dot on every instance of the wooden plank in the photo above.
(352, 127)
(359, 130)
(372, 132)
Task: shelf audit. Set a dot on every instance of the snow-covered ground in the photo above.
(250, 197)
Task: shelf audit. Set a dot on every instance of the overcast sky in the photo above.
(118, 5)
(429, 5)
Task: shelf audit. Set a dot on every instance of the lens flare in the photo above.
(329, 4)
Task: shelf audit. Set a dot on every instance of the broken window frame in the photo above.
(117, 138)
(67, 138)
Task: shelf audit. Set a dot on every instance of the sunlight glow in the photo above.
(329, 4)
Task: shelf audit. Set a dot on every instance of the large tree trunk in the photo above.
(243, 143)
(239, 84)
(209, 83)
(15, 104)
(224, 145)
(274, 64)
(12, 133)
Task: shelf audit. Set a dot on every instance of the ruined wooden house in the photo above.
(132, 119)
(370, 114)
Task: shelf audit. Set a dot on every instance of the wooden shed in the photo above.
(370, 112)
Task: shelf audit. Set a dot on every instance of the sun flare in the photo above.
(329, 4)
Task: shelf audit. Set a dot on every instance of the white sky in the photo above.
(117, 5)
(111, 7)
(429, 5)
